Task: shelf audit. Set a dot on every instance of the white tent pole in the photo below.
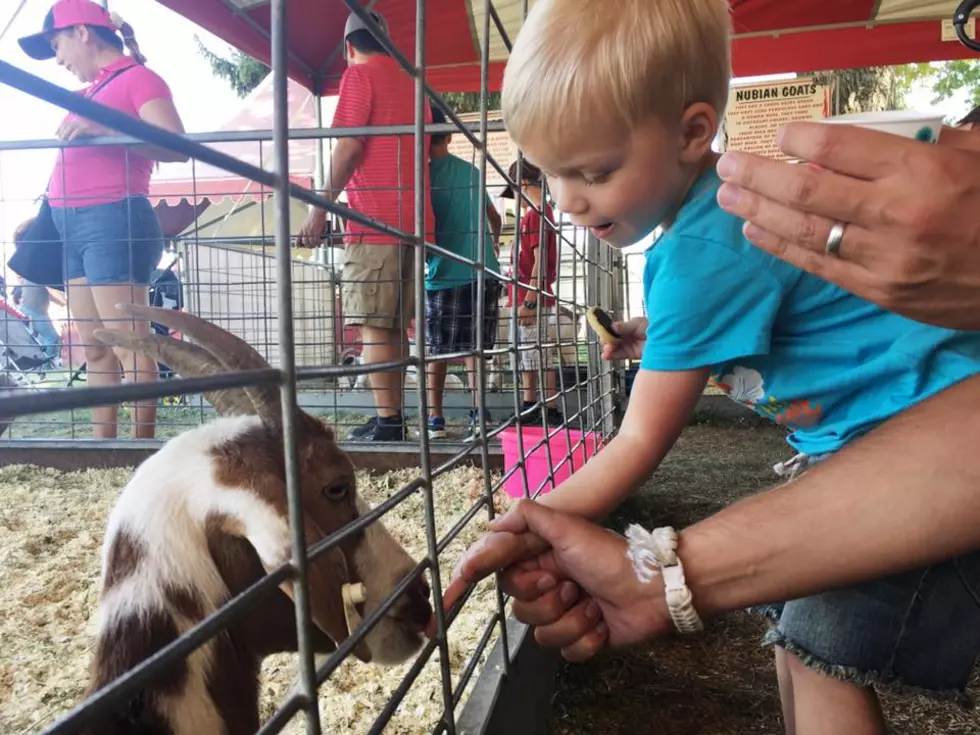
(319, 173)
(13, 17)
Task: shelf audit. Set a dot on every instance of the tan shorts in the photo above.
(379, 286)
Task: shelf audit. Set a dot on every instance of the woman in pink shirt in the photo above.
(98, 194)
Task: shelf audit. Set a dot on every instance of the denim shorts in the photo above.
(116, 243)
(918, 631)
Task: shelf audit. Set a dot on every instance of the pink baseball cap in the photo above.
(65, 14)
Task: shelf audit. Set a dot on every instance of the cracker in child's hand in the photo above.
(602, 324)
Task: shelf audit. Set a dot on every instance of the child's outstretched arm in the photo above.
(660, 406)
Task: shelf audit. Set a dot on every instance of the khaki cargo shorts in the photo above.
(378, 286)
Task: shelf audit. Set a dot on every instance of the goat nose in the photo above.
(415, 608)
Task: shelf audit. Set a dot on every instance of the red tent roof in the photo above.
(772, 36)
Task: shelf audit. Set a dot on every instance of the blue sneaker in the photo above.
(437, 427)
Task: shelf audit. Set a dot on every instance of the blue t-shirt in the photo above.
(810, 356)
(456, 202)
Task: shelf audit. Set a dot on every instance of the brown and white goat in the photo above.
(206, 517)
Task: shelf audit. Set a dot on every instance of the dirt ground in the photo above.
(724, 682)
(51, 530)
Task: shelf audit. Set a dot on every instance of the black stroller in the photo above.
(21, 353)
(21, 350)
(166, 292)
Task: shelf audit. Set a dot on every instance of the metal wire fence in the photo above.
(233, 260)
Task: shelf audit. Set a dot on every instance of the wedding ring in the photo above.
(833, 240)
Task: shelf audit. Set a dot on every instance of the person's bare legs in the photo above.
(529, 379)
(785, 680)
(437, 386)
(385, 345)
(138, 368)
(550, 397)
(101, 365)
(826, 706)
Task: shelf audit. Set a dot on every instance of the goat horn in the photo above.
(185, 359)
(229, 349)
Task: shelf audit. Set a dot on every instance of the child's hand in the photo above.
(632, 337)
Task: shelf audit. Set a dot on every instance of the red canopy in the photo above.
(772, 36)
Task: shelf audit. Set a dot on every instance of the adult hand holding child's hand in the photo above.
(616, 607)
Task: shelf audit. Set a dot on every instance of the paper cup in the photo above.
(924, 126)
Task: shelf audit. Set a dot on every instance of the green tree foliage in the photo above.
(242, 72)
(865, 90)
(463, 102)
(946, 79)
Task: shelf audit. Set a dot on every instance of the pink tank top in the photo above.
(86, 176)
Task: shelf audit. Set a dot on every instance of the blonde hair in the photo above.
(579, 66)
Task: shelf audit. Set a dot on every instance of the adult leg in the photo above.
(138, 368)
(377, 300)
(115, 247)
(385, 345)
(101, 365)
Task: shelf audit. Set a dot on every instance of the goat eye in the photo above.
(336, 493)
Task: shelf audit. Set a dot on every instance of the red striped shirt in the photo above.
(382, 187)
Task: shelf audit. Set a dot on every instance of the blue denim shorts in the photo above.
(918, 631)
(115, 243)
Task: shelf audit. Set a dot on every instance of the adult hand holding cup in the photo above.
(885, 213)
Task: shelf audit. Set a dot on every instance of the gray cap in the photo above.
(354, 23)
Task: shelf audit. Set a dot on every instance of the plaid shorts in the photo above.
(449, 317)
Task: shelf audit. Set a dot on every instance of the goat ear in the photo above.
(327, 576)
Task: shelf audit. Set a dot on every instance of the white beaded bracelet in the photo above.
(657, 551)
